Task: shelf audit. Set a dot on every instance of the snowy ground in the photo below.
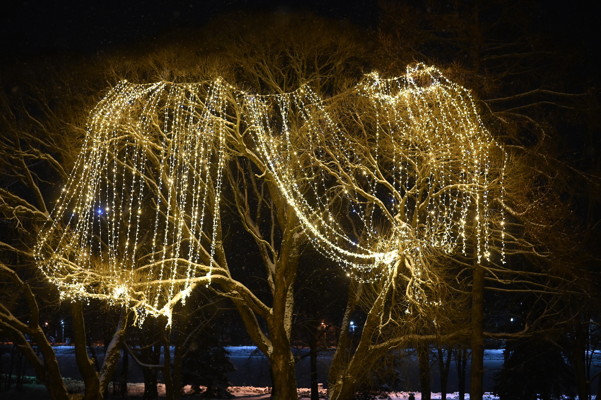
(251, 378)
(35, 391)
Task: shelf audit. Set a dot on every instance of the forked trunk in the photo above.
(96, 383)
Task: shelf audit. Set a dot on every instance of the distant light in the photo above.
(511, 319)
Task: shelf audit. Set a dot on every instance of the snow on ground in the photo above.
(256, 393)
(36, 391)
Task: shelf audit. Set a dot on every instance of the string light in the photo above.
(141, 195)
(399, 170)
(406, 167)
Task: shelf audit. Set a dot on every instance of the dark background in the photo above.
(30, 27)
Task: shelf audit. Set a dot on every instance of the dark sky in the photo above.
(28, 27)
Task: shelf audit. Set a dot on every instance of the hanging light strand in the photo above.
(399, 169)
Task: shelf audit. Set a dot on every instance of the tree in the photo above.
(278, 239)
(424, 191)
(318, 300)
(207, 364)
(543, 364)
(393, 218)
(35, 157)
(509, 57)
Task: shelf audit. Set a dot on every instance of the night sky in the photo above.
(44, 29)
(30, 27)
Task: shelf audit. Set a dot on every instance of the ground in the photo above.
(34, 391)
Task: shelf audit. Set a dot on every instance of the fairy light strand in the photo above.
(403, 169)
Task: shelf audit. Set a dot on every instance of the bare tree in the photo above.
(435, 180)
(40, 134)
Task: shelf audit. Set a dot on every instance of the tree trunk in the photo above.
(123, 375)
(313, 364)
(13, 354)
(150, 356)
(343, 347)
(579, 349)
(283, 371)
(342, 390)
(170, 390)
(85, 365)
(283, 375)
(46, 367)
(346, 384)
(460, 362)
(96, 384)
(477, 340)
(178, 356)
(20, 371)
(443, 366)
(51, 375)
(150, 384)
(424, 370)
(345, 375)
(47, 370)
(112, 354)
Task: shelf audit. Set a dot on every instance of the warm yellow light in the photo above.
(404, 168)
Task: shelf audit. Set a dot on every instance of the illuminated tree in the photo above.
(36, 155)
(411, 164)
(396, 179)
(280, 251)
(414, 172)
(499, 50)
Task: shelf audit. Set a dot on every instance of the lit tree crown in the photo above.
(378, 176)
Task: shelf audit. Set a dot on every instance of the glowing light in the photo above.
(403, 168)
(407, 157)
(142, 151)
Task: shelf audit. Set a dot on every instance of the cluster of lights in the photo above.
(399, 168)
(137, 221)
